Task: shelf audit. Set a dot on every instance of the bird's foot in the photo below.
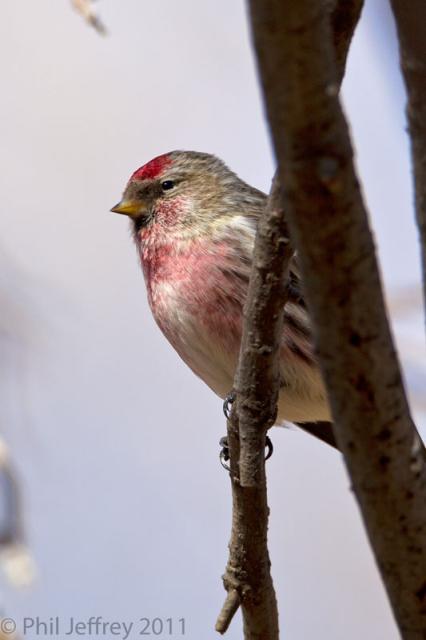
(269, 448)
(228, 402)
(224, 452)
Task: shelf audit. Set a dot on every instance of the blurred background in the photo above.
(126, 509)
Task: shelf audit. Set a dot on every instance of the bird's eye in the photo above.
(167, 184)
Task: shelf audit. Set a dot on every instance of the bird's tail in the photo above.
(321, 430)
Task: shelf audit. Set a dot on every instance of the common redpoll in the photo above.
(194, 224)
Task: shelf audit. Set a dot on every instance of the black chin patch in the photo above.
(141, 221)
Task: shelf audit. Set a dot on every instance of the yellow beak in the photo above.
(130, 208)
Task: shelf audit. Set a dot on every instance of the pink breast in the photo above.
(192, 280)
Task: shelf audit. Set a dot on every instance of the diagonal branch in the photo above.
(247, 577)
(344, 18)
(384, 455)
(86, 10)
(411, 22)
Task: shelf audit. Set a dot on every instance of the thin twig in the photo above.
(329, 226)
(254, 411)
(229, 609)
(257, 379)
(86, 10)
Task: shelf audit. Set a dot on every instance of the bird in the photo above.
(194, 222)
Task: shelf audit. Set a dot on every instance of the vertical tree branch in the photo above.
(257, 379)
(411, 27)
(256, 385)
(384, 455)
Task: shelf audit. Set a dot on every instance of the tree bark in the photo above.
(411, 27)
(328, 222)
(344, 18)
(247, 577)
(257, 385)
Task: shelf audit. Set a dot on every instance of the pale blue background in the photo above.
(127, 510)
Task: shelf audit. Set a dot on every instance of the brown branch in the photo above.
(247, 577)
(411, 24)
(257, 379)
(344, 18)
(257, 385)
(85, 9)
(329, 227)
(229, 609)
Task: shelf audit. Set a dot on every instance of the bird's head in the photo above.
(182, 194)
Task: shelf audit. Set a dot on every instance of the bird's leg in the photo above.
(223, 442)
(228, 402)
(224, 452)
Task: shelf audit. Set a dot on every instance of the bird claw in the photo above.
(224, 452)
(228, 402)
(269, 448)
